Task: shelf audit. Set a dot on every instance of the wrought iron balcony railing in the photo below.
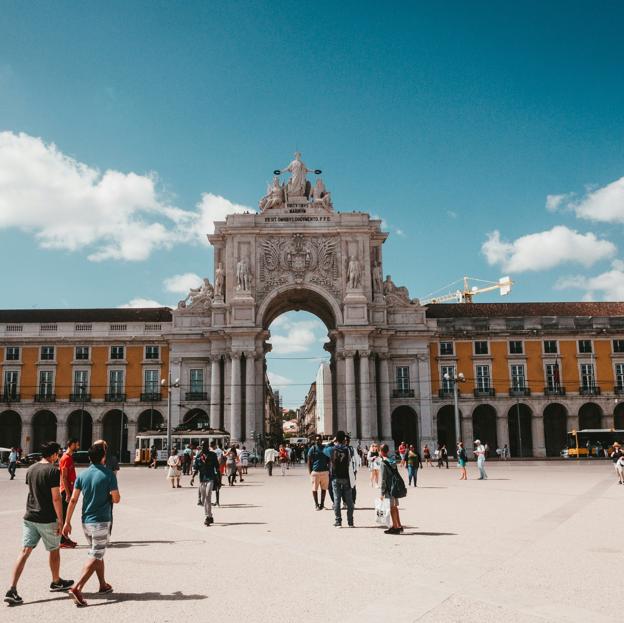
(45, 397)
(115, 397)
(151, 397)
(519, 391)
(484, 392)
(554, 391)
(80, 397)
(196, 396)
(589, 390)
(402, 393)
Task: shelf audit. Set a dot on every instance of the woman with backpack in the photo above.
(392, 488)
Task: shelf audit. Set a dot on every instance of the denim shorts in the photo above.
(32, 532)
(97, 538)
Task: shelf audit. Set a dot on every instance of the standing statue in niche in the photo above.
(219, 285)
(354, 274)
(243, 276)
(297, 184)
(377, 279)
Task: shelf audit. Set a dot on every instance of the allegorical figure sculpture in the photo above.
(320, 195)
(377, 279)
(204, 292)
(219, 281)
(297, 184)
(242, 275)
(274, 197)
(354, 274)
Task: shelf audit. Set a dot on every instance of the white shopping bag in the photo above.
(382, 512)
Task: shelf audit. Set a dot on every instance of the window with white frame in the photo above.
(585, 346)
(446, 348)
(553, 376)
(82, 353)
(619, 375)
(81, 382)
(483, 378)
(402, 378)
(550, 347)
(152, 352)
(12, 353)
(116, 381)
(46, 382)
(152, 383)
(11, 379)
(518, 378)
(588, 380)
(47, 353)
(618, 346)
(481, 348)
(516, 347)
(196, 376)
(447, 384)
(117, 352)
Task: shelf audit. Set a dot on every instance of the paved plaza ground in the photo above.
(538, 541)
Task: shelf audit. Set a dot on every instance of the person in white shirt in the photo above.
(480, 454)
(270, 456)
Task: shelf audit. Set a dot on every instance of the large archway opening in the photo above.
(150, 419)
(405, 426)
(115, 433)
(484, 426)
(590, 416)
(446, 428)
(10, 429)
(80, 426)
(520, 433)
(196, 419)
(555, 428)
(44, 428)
(299, 364)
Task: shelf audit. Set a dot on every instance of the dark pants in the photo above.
(12, 468)
(269, 466)
(412, 472)
(343, 493)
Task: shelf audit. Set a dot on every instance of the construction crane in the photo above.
(466, 295)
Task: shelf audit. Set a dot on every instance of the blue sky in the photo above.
(452, 121)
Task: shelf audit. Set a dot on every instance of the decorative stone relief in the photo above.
(198, 299)
(397, 296)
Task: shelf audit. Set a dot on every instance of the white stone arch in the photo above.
(266, 314)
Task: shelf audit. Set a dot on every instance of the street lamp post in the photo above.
(82, 401)
(454, 380)
(520, 452)
(163, 383)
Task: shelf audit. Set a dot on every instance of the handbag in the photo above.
(382, 512)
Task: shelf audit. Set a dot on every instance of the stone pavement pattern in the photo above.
(536, 542)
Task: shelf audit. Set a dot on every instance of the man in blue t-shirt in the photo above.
(318, 466)
(99, 489)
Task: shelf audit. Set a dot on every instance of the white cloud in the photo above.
(605, 204)
(69, 205)
(608, 286)
(554, 202)
(278, 380)
(181, 284)
(140, 302)
(546, 249)
(299, 336)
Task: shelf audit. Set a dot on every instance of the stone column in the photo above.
(384, 397)
(259, 412)
(339, 419)
(250, 395)
(372, 392)
(227, 391)
(424, 393)
(350, 394)
(466, 426)
(502, 430)
(537, 432)
(215, 390)
(132, 433)
(235, 400)
(175, 368)
(97, 427)
(27, 437)
(365, 410)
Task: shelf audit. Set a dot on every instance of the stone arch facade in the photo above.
(297, 252)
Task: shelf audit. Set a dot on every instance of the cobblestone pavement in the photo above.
(538, 541)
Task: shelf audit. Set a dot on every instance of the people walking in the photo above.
(173, 469)
(244, 460)
(340, 462)
(99, 489)
(153, 457)
(43, 520)
(68, 478)
(355, 463)
(480, 453)
(207, 468)
(427, 455)
(187, 460)
(270, 456)
(284, 459)
(505, 454)
(390, 472)
(12, 463)
(318, 467)
(402, 452)
(413, 464)
(230, 465)
(462, 459)
(616, 455)
(619, 467)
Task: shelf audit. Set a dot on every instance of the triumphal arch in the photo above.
(297, 252)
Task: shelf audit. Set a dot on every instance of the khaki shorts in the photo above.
(319, 479)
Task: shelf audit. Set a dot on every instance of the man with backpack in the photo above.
(318, 466)
(392, 488)
(340, 462)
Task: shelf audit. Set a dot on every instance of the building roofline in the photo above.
(510, 310)
(113, 314)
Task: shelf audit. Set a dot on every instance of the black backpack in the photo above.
(340, 462)
(397, 484)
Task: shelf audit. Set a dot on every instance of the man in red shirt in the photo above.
(68, 478)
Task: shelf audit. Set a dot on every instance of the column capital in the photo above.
(384, 356)
(364, 354)
(348, 354)
(235, 355)
(250, 354)
(214, 358)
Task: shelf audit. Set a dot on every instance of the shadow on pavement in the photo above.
(239, 506)
(124, 544)
(428, 534)
(225, 524)
(115, 597)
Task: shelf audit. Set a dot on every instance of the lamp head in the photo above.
(461, 377)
